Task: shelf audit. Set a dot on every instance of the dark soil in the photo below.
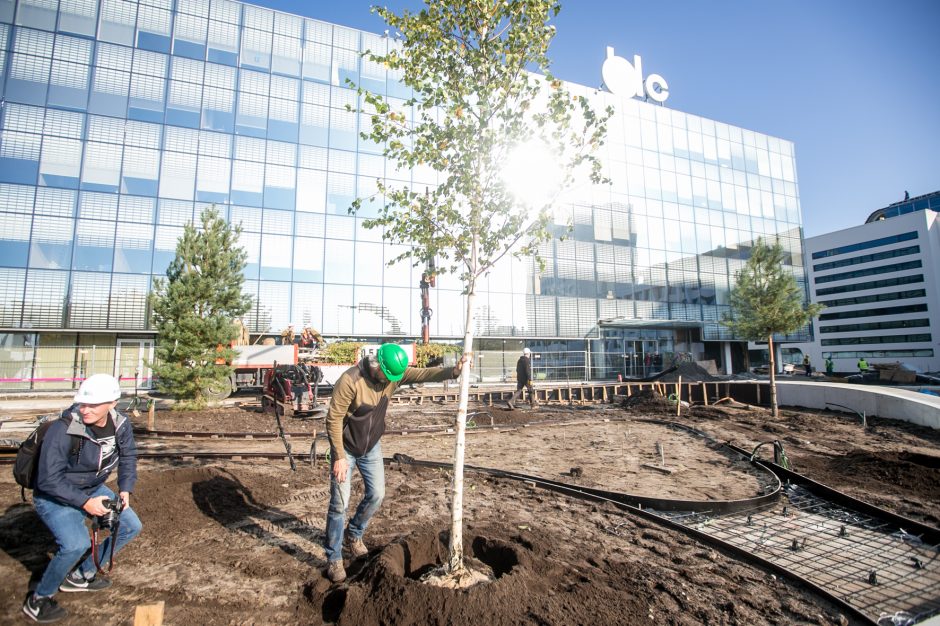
(233, 542)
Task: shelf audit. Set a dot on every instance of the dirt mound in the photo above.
(691, 373)
(647, 401)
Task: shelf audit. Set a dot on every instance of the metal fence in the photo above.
(500, 366)
(27, 368)
(51, 368)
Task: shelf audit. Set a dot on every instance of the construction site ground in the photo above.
(240, 542)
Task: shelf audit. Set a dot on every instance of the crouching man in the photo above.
(355, 424)
(78, 453)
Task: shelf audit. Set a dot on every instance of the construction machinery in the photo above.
(292, 389)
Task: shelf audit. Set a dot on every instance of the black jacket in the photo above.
(524, 369)
(70, 479)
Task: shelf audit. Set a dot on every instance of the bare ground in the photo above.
(240, 542)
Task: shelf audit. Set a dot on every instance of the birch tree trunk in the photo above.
(455, 565)
(773, 377)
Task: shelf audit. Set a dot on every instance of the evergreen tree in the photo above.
(476, 108)
(194, 310)
(766, 301)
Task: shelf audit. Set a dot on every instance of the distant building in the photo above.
(121, 120)
(880, 283)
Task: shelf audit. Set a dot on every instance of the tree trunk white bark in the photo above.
(454, 563)
(773, 377)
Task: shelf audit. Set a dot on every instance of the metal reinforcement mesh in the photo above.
(876, 566)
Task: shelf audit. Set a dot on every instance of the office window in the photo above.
(212, 179)
(153, 28)
(37, 13)
(248, 183)
(141, 171)
(136, 209)
(61, 162)
(78, 16)
(127, 304)
(175, 212)
(51, 245)
(89, 300)
(102, 171)
(94, 245)
(223, 43)
(189, 36)
(286, 54)
(44, 301)
(179, 176)
(14, 239)
(273, 303)
(111, 80)
(164, 247)
(276, 256)
(12, 285)
(255, 48)
(55, 202)
(117, 21)
(101, 206)
(17, 198)
(317, 60)
(873, 271)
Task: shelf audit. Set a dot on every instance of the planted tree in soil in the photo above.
(478, 124)
(766, 301)
(194, 312)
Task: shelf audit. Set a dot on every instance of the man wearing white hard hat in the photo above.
(79, 451)
(523, 380)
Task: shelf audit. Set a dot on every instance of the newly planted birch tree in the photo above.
(766, 300)
(476, 109)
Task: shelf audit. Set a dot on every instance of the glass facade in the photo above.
(121, 120)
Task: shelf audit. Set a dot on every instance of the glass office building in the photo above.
(121, 120)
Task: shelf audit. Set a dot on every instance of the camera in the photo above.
(110, 519)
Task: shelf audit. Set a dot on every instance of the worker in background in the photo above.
(862, 365)
(830, 366)
(523, 380)
(807, 365)
(309, 338)
(287, 335)
(355, 424)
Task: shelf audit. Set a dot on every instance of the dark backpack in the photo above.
(27, 456)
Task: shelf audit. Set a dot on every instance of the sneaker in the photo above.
(336, 572)
(76, 582)
(43, 610)
(356, 547)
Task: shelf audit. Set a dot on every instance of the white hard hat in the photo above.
(97, 389)
(526, 351)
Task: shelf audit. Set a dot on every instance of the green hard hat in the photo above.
(393, 360)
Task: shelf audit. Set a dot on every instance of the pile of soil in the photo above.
(647, 401)
(691, 373)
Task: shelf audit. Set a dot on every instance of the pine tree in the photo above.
(766, 301)
(475, 107)
(194, 310)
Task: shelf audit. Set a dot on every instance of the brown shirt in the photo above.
(352, 391)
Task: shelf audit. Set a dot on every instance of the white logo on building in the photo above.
(624, 79)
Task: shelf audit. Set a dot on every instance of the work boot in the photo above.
(76, 582)
(43, 610)
(336, 572)
(510, 406)
(356, 547)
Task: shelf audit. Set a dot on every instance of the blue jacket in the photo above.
(70, 479)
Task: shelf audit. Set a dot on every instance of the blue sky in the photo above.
(855, 84)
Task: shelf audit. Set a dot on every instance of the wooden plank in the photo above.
(149, 614)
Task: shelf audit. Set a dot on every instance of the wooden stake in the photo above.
(149, 614)
(150, 412)
(679, 396)
(705, 393)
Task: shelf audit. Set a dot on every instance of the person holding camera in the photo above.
(79, 452)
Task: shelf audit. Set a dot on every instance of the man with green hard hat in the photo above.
(355, 423)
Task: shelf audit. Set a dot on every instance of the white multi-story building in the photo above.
(880, 283)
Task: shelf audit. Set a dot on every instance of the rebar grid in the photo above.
(872, 564)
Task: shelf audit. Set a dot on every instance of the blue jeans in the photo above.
(372, 470)
(67, 524)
